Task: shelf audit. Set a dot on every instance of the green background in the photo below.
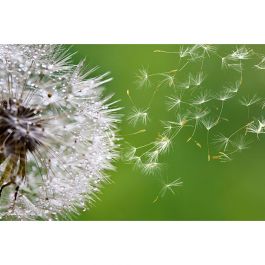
(211, 190)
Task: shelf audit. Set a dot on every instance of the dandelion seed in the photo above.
(138, 116)
(168, 126)
(256, 128)
(181, 120)
(224, 62)
(162, 144)
(241, 53)
(152, 156)
(184, 52)
(57, 134)
(261, 64)
(143, 78)
(224, 95)
(184, 85)
(137, 160)
(240, 143)
(208, 49)
(222, 140)
(199, 113)
(202, 98)
(169, 187)
(174, 102)
(208, 123)
(168, 80)
(249, 100)
(233, 88)
(151, 168)
(197, 79)
(130, 152)
(223, 157)
(236, 66)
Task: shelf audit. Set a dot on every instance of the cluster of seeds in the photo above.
(198, 104)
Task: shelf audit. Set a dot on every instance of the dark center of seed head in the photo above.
(20, 128)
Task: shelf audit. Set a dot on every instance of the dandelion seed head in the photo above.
(57, 133)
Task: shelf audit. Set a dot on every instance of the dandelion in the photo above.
(57, 133)
(138, 115)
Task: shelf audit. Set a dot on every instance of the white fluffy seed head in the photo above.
(76, 133)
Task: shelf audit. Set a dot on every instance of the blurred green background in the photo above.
(211, 190)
